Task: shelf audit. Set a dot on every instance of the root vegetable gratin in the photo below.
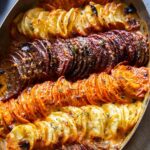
(75, 76)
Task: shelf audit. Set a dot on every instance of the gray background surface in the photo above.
(141, 138)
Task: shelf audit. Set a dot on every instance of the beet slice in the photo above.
(74, 58)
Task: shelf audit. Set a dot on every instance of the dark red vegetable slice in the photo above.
(74, 58)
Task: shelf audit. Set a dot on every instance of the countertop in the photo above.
(141, 138)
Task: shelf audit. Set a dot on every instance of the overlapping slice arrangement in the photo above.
(67, 111)
(125, 85)
(72, 124)
(39, 23)
(74, 58)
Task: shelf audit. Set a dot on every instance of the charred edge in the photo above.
(130, 9)
(134, 23)
(26, 47)
(94, 10)
(146, 74)
(2, 72)
(1, 85)
(24, 145)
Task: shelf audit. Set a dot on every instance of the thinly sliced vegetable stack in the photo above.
(39, 23)
(74, 58)
(73, 124)
(125, 85)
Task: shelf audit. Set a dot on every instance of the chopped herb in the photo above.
(102, 42)
(74, 48)
(60, 90)
(31, 26)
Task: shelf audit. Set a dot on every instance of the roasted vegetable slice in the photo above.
(72, 124)
(39, 23)
(74, 58)
(124, 85)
